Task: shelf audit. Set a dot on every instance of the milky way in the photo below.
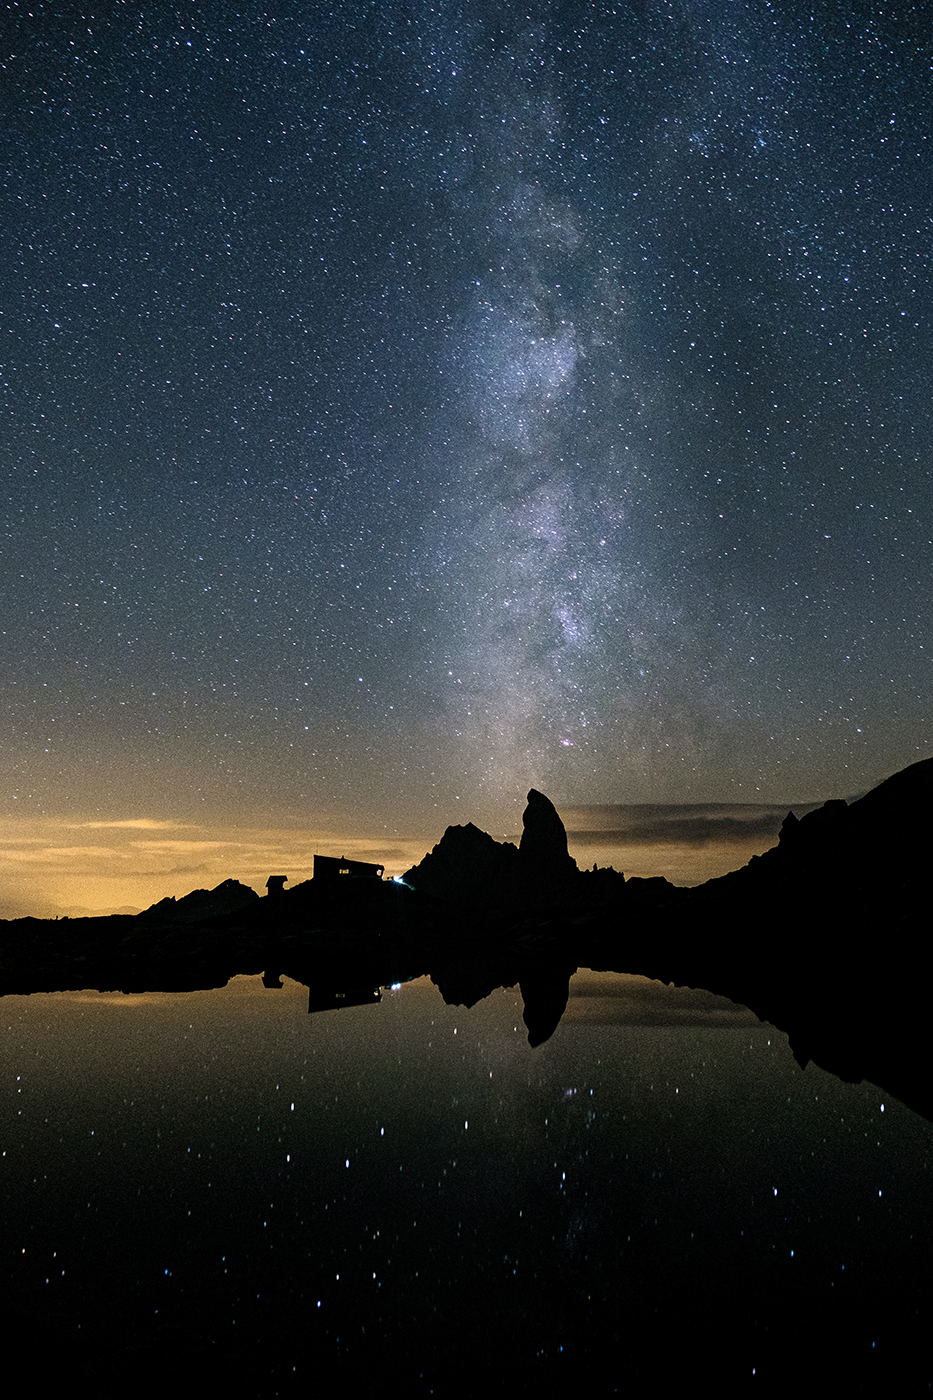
(404, 407)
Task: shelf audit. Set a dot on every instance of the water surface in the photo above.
(218, 1186)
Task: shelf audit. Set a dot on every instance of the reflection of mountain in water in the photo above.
(798, 934)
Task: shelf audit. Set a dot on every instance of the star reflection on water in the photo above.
(219, 1188)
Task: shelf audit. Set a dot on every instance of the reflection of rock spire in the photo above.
(545, 991)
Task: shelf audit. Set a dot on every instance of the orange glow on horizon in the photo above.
(70, 865)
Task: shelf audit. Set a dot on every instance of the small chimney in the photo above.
(275, 885)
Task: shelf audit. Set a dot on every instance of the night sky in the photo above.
(405, 405)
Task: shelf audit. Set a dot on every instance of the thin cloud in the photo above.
(692, 826)
(695, 832)
(138, 824)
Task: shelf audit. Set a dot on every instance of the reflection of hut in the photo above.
(329, 867)
(276, 884)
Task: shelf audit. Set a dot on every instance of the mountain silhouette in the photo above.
(826, 935)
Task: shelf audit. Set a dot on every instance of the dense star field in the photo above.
(403, 406)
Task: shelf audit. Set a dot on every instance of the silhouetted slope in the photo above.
(827, 934)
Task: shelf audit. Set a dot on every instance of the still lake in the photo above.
(219, 1187)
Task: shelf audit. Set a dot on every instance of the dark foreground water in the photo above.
(217, 1189)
